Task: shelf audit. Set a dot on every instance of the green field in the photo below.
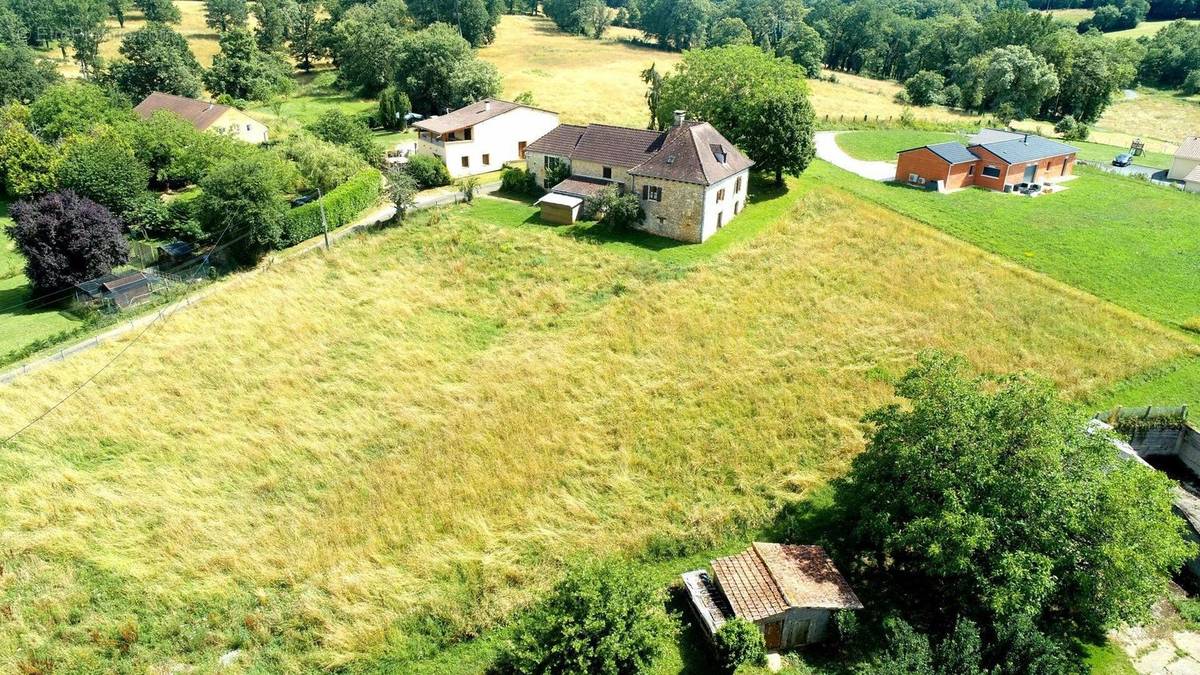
(417, 429)
(1143, 29)
(1123, 240)
(883, 146)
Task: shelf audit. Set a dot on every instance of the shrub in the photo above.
(393, 106)
(517, 181)
(468, 186)
(1191, 83)
(739, 643)
(401, 190)
(601, 618)
(429, 171)
(337, 127)
(1071, 130)
(614, 210)
(925, 88)
(342, 206)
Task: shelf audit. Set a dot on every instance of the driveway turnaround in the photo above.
(828, 150)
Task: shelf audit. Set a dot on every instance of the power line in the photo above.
(116, 356)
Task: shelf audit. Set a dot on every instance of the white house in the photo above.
(206, 116)
(691, 180)
(483, 136)
(1186, 166)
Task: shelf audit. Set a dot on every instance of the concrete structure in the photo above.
(790, 592)
(206, 116)
(483, 136)
(1186, 165)
(690, 179)
(996, 160)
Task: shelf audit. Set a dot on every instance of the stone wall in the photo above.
(680, 213)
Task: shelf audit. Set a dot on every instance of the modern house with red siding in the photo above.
(997, 160)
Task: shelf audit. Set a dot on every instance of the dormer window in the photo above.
(719, 153)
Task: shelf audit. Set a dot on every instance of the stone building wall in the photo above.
(680, 213)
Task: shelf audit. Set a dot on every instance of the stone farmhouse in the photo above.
(994, 159)
(1186, 165)
(690, 179)
(483, 136)
(206, 116)
(790, 592)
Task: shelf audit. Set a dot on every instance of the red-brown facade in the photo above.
(922, 166)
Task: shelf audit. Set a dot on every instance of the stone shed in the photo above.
(789, 591)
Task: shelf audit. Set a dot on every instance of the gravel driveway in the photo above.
(828, 150)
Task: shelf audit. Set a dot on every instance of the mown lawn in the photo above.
(1123, 240)
(315, 94)
(415, 430)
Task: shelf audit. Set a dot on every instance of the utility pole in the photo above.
(324, 223)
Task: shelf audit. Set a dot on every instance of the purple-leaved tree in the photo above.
(66, 238)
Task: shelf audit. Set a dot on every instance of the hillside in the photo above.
(413, 430)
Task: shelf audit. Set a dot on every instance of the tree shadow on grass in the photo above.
(695, 652)
(18, 300)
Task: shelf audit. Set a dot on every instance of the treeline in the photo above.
(971, 54)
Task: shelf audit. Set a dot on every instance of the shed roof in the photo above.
(559, 199)
(469, 115)
(581, 186)
(201, 114)
(1193, 176)
(768, 579)
(1028, 148)
(1189, 148)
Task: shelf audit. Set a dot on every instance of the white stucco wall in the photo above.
(1181, 167)
(726, 209)
(241, 126)
(498, 137)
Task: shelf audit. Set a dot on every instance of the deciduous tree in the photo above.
(26, 75)
(243, 71)
(273, 23)
(103, 167)
(66, 238)
(222, 15)
(163, 11)
(156, 58)
(244, 203)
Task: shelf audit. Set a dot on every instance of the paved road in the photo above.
(828, 150)
(379, 215)
(1134, 170)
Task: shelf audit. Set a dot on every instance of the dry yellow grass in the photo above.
(854, 96)
(426, 420)
(583, 80)
(201, 38)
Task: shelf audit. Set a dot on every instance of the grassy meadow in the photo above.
(1123, 240)
(201, 38)
(416, 429)
(1143, 29)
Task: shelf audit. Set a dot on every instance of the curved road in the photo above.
(828, 150)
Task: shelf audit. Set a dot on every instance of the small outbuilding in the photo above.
(789, 591)
(117, 291)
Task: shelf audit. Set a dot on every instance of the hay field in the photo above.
(333, 460)
(1145, 28)
(201, 38)
(853, 96)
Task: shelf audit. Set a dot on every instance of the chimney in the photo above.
(680, 115)
(487, 106)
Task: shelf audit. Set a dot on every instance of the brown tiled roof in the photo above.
(559, 141)
(694, 153)
(767, 579)
(1189, 148)
(617, 146)
(200, 113)
(581, 186)
(470, 115)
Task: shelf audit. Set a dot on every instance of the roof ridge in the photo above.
(766, 565)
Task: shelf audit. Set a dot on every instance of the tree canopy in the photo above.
(1011, 514)
(437, 69)
(156, 58)
(757, 101)
(243, 71)
(66, 238)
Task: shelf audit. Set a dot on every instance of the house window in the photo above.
(971, 170)
(721, 195)
(651, 193)
(487, 159)
(737, 185)
(247, 127)
(608, 172)
(991, 171)
(466, 161)
(467, 134)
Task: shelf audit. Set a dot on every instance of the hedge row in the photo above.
(342, 205)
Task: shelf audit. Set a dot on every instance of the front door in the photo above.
(773, 635)
(521, 149)
(1030, 173)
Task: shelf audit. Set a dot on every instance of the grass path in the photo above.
(416, 429)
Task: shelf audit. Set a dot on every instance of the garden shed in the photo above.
(789, 591)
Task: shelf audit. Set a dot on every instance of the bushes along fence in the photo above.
(342, 205)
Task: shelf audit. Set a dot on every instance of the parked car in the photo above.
(302, 200)
(1123, 159)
